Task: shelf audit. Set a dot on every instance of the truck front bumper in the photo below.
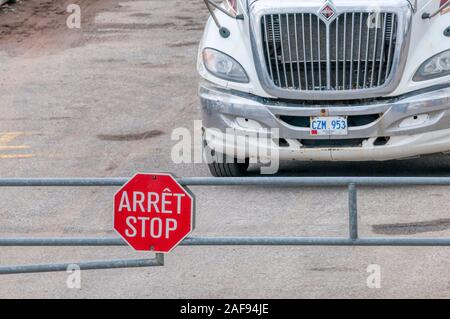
(404, 127)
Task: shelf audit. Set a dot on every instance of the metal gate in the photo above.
(352, 240)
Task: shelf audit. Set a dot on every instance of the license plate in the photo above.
(329, 125)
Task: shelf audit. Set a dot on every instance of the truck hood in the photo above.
(417, 4)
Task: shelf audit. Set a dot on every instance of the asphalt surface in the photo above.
(104, 100)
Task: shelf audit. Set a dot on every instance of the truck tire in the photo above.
(221, 165)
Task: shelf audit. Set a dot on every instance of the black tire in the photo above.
(221, 165)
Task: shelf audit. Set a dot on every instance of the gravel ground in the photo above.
(103, 101)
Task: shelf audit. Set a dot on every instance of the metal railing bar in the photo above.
(62, 182)
(234, 241)
(109, 264)
(234, 181)
(314, 241)
(61, 241)
(314, 181)
(352, 211)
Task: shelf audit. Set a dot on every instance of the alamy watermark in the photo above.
(374, 279)
(211, 145)
(74, 19)
(74, 278)
(375, 20)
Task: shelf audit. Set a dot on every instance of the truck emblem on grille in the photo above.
(328, 12)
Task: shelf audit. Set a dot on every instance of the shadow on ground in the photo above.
(436, 165)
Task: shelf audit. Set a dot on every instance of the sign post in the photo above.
(153, 212)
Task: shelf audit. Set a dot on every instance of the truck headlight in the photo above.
(435, 67)
(223, 66)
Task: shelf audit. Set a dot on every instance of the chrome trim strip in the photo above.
(337, 51)
(312, 51)
(345, 50)
(282, 52)
(290, 51)
(304, 51)
(319, 62)
(352, 51)
(374, 56)
(275, 47)
(383, 32)
(267, 47)
(390, 46)
(359, 49)
(328, 59)
(296, 54)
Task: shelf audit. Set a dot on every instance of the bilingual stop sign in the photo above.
(153, 212)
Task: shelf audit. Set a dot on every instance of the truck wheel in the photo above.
(221, 165)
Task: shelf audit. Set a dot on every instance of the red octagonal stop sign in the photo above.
(153, 212)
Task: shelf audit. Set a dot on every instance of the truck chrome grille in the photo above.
(355, 51)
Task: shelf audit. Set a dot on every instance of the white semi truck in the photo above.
(340, 80)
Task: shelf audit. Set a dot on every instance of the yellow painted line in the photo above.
(12, 156)
(7, 137)
(14, 147)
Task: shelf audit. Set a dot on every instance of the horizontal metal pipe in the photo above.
(61, 182)
(315, 181)
(61, 241)
(234, 181)
(23, 269)
(236, 241)
(313, 241)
